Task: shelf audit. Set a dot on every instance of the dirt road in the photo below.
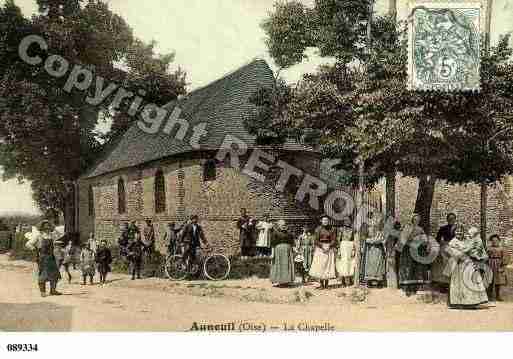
(160, 305)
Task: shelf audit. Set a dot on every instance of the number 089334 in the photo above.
(22, 347)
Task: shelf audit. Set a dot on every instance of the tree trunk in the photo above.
(484, 205)
(392, 9)
(358, 224)
(488, 23)
(484, 187)
(391, 265)
(361, 169)
(69, 211)
(424, 201)
(390, 195)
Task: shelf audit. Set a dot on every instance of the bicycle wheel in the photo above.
(176, 268)
(216, 267)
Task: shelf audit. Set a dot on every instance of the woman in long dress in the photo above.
(444, 236)
(345, 262)
(263, 243)
(282, 264)
(375, 259)
(392, 256)
(41, 240)
(323, 264)
(467, 288)
(412, 273)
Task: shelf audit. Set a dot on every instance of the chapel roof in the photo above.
(223, 105)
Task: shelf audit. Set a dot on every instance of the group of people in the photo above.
(471, 270)
(133, 245)
(254, 235)
(136, 246)
(457, 262)
(322, 254)
(53, 252)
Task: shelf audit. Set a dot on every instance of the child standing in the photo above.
(299, 259)
(104, 260)
(306, 245)
(497, 262)
(92, 242)
(346, 257)
(63, 257)
(87, 264)
(263, 243)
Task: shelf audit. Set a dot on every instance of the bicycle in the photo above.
(215, 266)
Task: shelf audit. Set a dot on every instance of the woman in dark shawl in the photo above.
(282, 265)
(412, 272)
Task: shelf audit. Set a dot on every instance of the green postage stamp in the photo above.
(444, 44)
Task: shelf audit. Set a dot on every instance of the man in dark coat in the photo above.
(133, 231)
(104, 260)
(448, 232)
(135, 256)
(124, 241)
(192, 237)
(244, 226)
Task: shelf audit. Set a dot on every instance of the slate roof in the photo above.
(223, 105)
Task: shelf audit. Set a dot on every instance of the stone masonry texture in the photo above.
(216, 202)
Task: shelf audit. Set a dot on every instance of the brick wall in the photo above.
(217, 202)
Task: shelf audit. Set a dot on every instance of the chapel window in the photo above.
(121, 196)
(160, 192)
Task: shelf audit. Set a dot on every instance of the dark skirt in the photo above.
(499, 274)
(103, 267)
(411, 272)
(48, 269)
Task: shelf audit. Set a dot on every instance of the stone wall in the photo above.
(216, 202)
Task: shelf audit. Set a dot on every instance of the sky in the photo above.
(210, 38)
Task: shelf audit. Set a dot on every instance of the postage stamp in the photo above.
(444, 45)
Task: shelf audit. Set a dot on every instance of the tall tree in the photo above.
(484, 185)
(150, 74)
(48, 135)
(390, 178)
(368, 109)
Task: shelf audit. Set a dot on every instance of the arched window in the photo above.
(90, 200)
(160, 192)
(209, 170)
(121, 196)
